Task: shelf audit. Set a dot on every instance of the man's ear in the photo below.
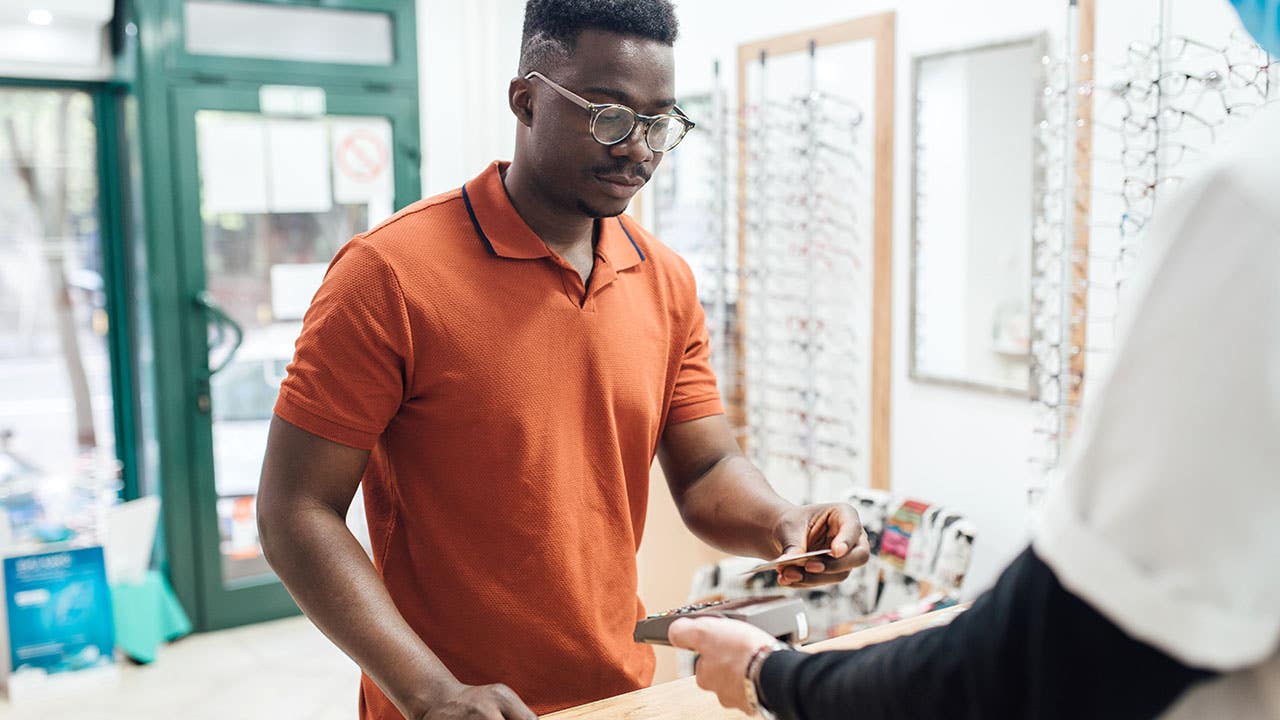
(520, 98)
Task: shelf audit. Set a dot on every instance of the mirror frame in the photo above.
(1039, 44)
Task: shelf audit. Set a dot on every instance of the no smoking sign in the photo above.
(363, 156)
(362, 161)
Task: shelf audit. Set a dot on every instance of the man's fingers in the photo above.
(819, 579)
(848, 530)
(856, 557)
(790, 574)
(861, 552)
(839, 548)
(518, 711)
(512, 707)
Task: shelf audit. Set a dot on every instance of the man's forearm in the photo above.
(733, 508)
(331, 578)
(1027, 649)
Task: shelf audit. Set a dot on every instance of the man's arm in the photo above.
(721, 496)
(307, 485)
(727, 503)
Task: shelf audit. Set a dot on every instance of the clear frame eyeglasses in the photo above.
(612, 123)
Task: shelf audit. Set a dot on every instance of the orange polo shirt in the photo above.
(512, 417)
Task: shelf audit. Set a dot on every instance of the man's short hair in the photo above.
(551, 27)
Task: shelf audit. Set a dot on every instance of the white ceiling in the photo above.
(71, 12)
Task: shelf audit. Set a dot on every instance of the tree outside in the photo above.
(55, 386)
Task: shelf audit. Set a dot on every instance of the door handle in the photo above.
(411, 152)
(223, 322)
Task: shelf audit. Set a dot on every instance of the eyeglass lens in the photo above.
(616, 123)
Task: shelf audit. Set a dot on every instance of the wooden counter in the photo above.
(684, 699)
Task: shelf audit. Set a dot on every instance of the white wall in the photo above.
(468, 51)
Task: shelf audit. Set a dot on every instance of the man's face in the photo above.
(576, 171)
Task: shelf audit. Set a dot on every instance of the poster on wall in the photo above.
(59, 612)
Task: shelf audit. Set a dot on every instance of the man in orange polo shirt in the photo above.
(500, 365)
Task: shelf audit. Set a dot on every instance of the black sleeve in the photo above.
(1027, 648)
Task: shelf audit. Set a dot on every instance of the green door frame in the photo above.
(115, 241)
(171, 83)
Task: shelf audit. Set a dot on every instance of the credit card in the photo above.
(786, 560)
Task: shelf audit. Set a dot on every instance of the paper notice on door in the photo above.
(298, 166)
(362, 167)
(293, 285)
(232, 159)
(380, 208)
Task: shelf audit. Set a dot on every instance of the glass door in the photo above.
(265, 201)
(59, 420)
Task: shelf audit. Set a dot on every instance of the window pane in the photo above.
(55, 374)
(251, 30)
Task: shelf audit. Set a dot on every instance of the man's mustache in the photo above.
(626, 170)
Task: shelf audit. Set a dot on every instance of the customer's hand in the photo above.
(481, 702)
(815, 527)
(724, 648)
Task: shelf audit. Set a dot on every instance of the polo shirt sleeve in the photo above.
(1168, 517)
(696, 395)
(352, 363)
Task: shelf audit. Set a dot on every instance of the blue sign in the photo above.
(59, 608)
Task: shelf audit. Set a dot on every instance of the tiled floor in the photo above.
(283, 670)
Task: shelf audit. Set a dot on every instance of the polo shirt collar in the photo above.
(507, 235)
(617, 244)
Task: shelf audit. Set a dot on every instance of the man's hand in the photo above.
(816, 527)
(481, 702)
(724, 648)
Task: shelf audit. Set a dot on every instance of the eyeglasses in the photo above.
(1144, 158)
(1251, 75)
(1170, 83)
(1138, 188)
(1170, 119)
(612, 123)
(1174, 49)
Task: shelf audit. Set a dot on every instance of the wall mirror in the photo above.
(974, 188)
